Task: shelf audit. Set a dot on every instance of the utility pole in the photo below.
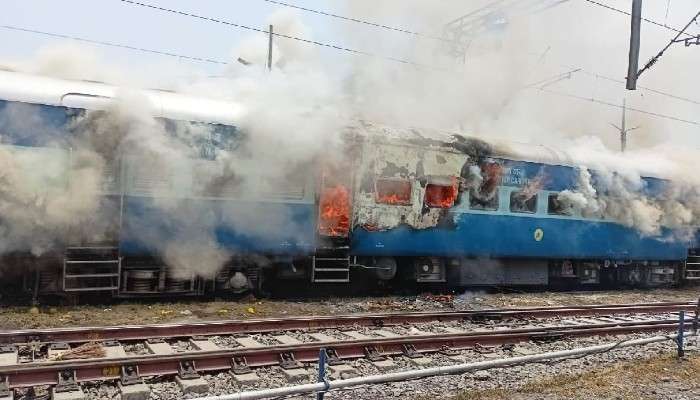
(269, 50)
(635, 36)
(623, 129)
(632, 70)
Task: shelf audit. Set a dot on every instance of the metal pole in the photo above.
(681, 329)
(623, 131)
(322, 373)
(695, 319)
(635, 36)
(269, 50)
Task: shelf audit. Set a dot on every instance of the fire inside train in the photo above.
(401, 208)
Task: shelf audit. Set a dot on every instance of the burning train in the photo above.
(400, 206)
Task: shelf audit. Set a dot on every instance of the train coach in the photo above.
(400, 206)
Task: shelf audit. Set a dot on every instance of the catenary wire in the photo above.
(260, 30)
(414, 33)
(357, 20)
(654, 59)
(111, 44)
(208, 60)
(609, 104)
(651, 21)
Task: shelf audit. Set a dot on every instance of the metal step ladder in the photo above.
(692, 265)
(91, 268)
(331, 265)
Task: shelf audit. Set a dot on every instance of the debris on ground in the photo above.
(87, 350)
(127, 313)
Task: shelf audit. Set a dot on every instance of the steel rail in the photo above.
(230, 327)
(46, 372)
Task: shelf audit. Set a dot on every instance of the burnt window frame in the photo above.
(377, 200)
(529, 210)
(454, 186)
(483, 207)
(554, 195)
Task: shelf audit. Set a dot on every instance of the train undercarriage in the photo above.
(102, 271)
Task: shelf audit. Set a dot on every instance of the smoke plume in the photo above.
(511, 84)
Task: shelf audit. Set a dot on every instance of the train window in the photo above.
(483, 201)
(393, 191)
(556, 207)
(440, 196)
(523, 202)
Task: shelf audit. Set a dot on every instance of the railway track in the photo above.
(30, 358)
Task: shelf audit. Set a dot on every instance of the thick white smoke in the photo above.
(293, 117)
(295, 114)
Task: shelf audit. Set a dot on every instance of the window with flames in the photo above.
(393, 191)
(441, 195)
(334, 211)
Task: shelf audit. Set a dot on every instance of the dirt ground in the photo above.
(661, 377)
(129, 313)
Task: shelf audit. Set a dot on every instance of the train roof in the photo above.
(476, 146)
(39, 89)
(536, 153)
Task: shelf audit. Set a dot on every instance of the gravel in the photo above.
(165, 391)
(301, 336)
(428, 388)
(226, 342)
(265, 339)
(435, 387)
(181, 346)
(502, 378)
(135, 349)
(105, 391)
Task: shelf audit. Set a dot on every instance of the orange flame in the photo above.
(393, 192)
(442, 196)
(334, 211)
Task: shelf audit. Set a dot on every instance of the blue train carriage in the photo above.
(193, 212)
(135, 241)
(465, 212)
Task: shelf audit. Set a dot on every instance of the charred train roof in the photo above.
(472, 146)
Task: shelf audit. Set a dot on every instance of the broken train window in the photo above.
(481, 201)
(441, 194)
(484, 195)
(556, 206)
(392, 191)
(523, 201)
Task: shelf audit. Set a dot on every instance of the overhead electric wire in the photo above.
(674, 40)
(214, 61)
(651, 21)
(609, 104)
(495, 3)
(112, 44)
(215, 20)
(357, 20)
(260, 30)
(652, 90)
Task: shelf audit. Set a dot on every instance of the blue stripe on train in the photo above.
(515, 236)
(237, 226)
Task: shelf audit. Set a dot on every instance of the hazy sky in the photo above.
(115, 21)
(581, 35)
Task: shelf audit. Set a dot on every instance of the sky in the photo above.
(117, 22)
(575, 34)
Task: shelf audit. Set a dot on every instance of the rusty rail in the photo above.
(229, 327)
(47, 372)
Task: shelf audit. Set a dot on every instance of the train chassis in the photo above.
(101, 270)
